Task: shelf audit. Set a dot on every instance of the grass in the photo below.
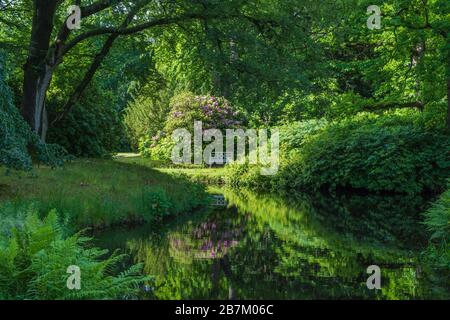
(195, 173)
(100, 193)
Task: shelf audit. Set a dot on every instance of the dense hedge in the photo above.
(396, 151)
(145, 117)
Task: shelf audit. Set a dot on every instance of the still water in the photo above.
(273, 247)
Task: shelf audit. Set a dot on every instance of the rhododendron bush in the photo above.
(185, 109)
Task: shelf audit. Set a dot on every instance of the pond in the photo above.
(292, 247)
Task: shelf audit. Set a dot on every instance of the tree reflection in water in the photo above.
(300, 247)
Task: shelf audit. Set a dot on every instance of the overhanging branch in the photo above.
(139, 28)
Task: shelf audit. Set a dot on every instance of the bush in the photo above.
(436, 257)
(14, 132)
(294, 135)
(245, 175)
(389, 152)
(214, 112)
(155, 202)
(395, 151)
(158, 147)
(292, 138)
(185, 109)
(145, 117)
(92, 129)
(34, 261)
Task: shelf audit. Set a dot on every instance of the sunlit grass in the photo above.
(99, 193)
(196, 173)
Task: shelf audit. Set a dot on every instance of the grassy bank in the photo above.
(197, 174)
(101, 193)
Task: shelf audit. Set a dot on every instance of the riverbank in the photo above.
(100, 193)
(197, 174)
(264, 246)
(311, 231)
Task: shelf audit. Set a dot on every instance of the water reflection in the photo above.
(269, 247)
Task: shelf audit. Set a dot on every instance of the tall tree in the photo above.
(45, 53)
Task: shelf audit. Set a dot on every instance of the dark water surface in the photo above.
(296, 247)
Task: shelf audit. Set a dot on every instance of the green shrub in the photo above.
(14, 132)
(92, 128)
(35, 258)
(396, 151)
(155, 202)
(436, 257)
(437, 220)
(247, 176)
(157, 148)
(294, 135)
(390, 152)
(145, 117)
(185, 109)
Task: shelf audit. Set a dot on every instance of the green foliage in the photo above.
(145, 117)
(158, 147)
(17, 138)
(92, 129)
(388, 152)
(293, 137)
(35, 258)
(437, 221)
(155, 202)
(296, 134)
(394, 151)
(247, 176)
(14, 132)
(103, 193)
(185, 109)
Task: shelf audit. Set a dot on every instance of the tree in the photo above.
(45, 54)
(262, 25)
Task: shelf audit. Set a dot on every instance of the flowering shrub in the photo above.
(186, 108)
(214, 112)
(217, 112)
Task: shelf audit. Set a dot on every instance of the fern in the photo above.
(35, 257)
(437, 220)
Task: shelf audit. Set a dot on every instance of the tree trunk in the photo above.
(38, 69)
